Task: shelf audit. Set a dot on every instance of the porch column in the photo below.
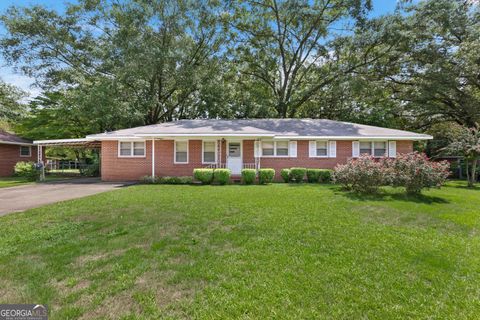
(40, 161)
(220, 152)
(153, 158)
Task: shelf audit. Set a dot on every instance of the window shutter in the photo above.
(332, 149)
(256, 149)
(312, 149)
(392, 149)
(293, 149)
(355, 149)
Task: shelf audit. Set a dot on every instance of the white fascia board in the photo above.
(16, 143)
(369, 138)
(113, 138)
(37, 142)
(202, 135)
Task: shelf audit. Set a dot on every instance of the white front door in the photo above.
(234, 156)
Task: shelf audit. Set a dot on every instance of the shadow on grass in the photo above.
(391, 196)
(464, 186)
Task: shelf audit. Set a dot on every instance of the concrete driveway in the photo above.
(21, 198)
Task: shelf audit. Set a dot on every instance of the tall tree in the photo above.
(467, 144)
(11, 108)
(152, 56)
(433, 71)
(292, 49)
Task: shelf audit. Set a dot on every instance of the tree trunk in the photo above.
(467, 171)
(473, 174)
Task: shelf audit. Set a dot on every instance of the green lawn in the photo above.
(251, 252)
(6, 182)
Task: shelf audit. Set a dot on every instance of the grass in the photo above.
(250, 252)
(6, 182)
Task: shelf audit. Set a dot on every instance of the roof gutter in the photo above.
(17, 143)
(255, 136)
(369, 138)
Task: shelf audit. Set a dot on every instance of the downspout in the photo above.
(259, 151)
(153, 158)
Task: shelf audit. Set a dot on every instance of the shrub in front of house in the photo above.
(149, 179)
(297, 174)
(364, 174)
(325, 175)
(176, 180)
(414, 171)
(313, 175)
(26, 170)
(205, 176)
(285, 174)
(221, 176)
(266, 175)
(248, 176)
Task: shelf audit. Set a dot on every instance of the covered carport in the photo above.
(84, 143)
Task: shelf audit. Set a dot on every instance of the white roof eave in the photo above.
(411, 138)
(246, 136)
(16, 143)
(41, 142)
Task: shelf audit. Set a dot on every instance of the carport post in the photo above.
(40, 160)
(153, 158)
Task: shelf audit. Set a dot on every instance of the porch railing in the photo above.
(216, 166)
(224, 165)
(250, 166)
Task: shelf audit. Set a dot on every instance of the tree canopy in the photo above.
(107, 65)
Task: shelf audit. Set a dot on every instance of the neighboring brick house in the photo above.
(183, 145)
(12, 150)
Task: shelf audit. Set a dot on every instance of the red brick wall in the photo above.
(115, 168)
(404, 146)
(164, 158)
(10, 155)
(248, 151)
(344, 151)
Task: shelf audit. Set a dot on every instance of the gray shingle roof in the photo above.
(9, 138)
(263, 127)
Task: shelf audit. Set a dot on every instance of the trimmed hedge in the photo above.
(285, 173)
(221, 176)
(149, 179)
(176, 180)
(248, 176)
(266, 175)
(27, 170)
(205, 176)
(167, 180)
(325, 175)
(313, 175)
(298, 174)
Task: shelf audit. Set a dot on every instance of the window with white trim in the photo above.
(375, 148)
(321, 148)
(366, 147)
(380, 148)
(25, 151)
(281, 148)
(209, 151)
(181, 151)
(131, 149)
(268, 148)
(275, 148)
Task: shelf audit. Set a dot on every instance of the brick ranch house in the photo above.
(176, 148)
(12, 150)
